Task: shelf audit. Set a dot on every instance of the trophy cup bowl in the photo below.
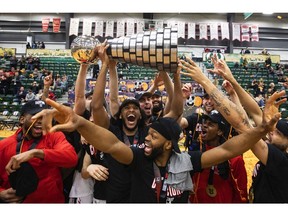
(82, 49)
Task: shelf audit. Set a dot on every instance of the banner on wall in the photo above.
(56, 24)
(120, 28)
(99, 28)
(74, 25)
(236, 31)
(45, 24)
(87, 27)
(254, 28)
(109, 28)
(213, 31)
(130, 27)
(140, 26)
(244, 28)
(181, 29)
(191, 30)
(245, 37)
(203, 31)
(255, 37)
(224, 31)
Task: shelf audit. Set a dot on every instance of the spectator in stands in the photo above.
(36, 62)
(39, 94)
(268, 62)
(247, 51)
(260, 100)
(42, 45)
(30, 95)
(30, 63)
(22, 62)
(13, 62)
(28, 45)
(35, 87)
(16, 82)
(21, 95)
(34, 45)
(264, 52)
(5, 83)
(95, 70)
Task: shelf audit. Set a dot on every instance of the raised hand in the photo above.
(271, 112)
(65, 116)
(220, 68)
(192, 70)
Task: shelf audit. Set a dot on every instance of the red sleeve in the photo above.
(60, 152)
(239, 180)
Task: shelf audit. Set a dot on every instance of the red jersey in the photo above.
(230, 190)
(58, 153)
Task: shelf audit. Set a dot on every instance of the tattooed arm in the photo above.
(232, 113)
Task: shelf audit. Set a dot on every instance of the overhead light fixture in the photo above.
(279, 17)
(267, 13)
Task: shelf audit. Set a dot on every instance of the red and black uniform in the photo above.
(58, 153)
(229, 179)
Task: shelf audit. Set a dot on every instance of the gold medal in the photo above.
(211, 190)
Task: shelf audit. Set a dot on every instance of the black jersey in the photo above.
(143, 180)
(270, 181)
(119, 181)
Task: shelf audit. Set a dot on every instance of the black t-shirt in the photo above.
(119, 181)
(270, 181)
(97, 157)
(143, 180)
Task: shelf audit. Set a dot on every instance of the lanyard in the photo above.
(21, 139)
(127, 141)
(160, 193)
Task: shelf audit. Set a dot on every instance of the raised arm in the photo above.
(249, 104)
(235, 116)
(101, 138)
(248, 139)
(113, 86)
(168, 83)
(80, 84)
(100, 115)
(176, 110)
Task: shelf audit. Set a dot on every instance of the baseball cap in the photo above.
(129, 100)
(24, 180)
(170, 129)
(282, 126)
(158, 93)
(206, 96)
(32, 107)
(139, 95)
(216, 117)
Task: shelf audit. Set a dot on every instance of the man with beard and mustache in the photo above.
(30, 156)
(160, 172)
(145, 101)
(158, 105)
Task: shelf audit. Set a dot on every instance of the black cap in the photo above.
(206, 96)
(32, 107)
(24, 180)
(139, 95)
(170, 129)
(216, 117)
(158, 93)
(129, 100)
(282, 126)
(88, 94)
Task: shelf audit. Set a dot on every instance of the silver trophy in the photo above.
(155, 49)
(82, 49)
